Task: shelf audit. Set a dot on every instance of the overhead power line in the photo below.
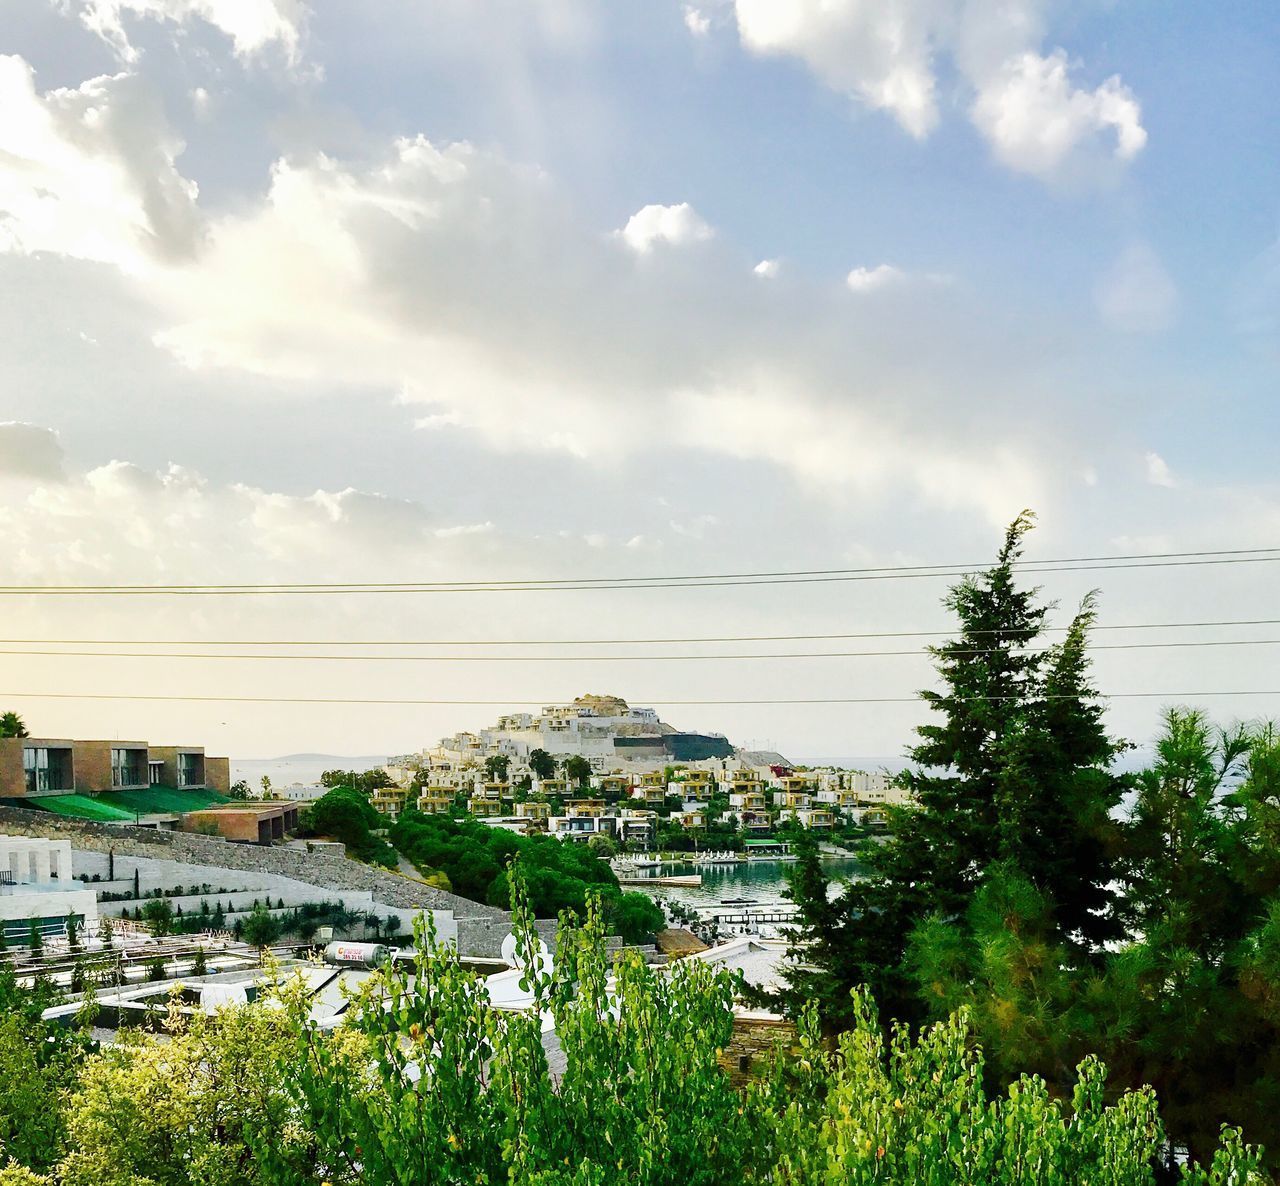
(654, 700)
(918, 652)
(575, 642)
(693, 581)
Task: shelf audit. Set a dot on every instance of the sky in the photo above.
(530, 289)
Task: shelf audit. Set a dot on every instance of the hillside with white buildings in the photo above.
(605, 730)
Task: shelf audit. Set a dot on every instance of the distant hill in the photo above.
(303, 768)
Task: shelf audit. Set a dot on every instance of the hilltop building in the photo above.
(611, 734)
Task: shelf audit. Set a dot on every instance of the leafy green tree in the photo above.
(496, 767)
(347, 815)
(542, 764)
(637, 918)
(200, 963)
(602, 846)
(577, 770)
(259, 928)
(1196, 994)
(35, 938)
(159, 914)
(73, 933)
(186, 1107)
(106, 931)
(239, 789)
(39, 1062)
(363, 781)
(11, 725)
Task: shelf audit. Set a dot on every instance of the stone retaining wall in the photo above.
(480, 928)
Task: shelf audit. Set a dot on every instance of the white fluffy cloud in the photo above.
(1035, 119)
(882, 53)
(676, 225)
(469, 286)
(121, 522)
(90, 172)
(870, 279)
(252, 25)
(887, 54)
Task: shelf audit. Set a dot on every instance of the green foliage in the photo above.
(496, 767)
(365, 782)
(347, 815)
(200, 964)
(636, 917)
(1016, 890)
(424, 1083)
(187, 1107)
(542, 763)
(259, 927)
(11, 725)
(474, 857)
(602, 846)
(577, 770)
(38, 1064)
(159, 914)
(877, 1111)
(1016, 770)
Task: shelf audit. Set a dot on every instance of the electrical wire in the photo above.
(652, 700)
(720, 580)
(790, 655)
(574, 642)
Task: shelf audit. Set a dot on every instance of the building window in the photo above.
(189, 774)
(126, 768)
(46, 769)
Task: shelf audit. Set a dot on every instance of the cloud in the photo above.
(252, 25)
(870, 279)
(1137, 295)
(29, 451)
(122, 522)
(767, 269)
(697, 22)
(469, 286)
(1035, 120)
(1158, 471)
(90, 172)
(887, 56)
(676, 225)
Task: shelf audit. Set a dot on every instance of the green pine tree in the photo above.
(1012, 771)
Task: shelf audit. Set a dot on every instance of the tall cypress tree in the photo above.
(1014, 771)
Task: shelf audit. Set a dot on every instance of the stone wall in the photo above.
(756, 1036)
(480, 928)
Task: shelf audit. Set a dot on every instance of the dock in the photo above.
(688, 881)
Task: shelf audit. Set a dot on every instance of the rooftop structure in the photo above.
(248, 823)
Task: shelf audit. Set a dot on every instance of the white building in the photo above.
(36, 885)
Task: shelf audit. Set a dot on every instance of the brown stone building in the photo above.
(33, 766)
(247, 823)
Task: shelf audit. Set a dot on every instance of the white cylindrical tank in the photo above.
(359, 955)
